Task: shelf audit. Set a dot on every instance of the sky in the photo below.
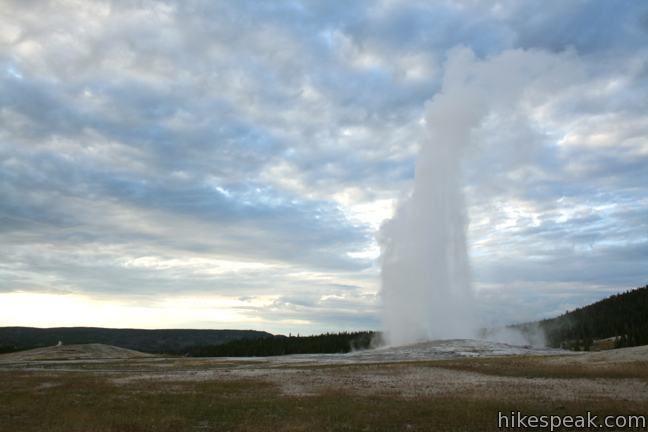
(229, 164)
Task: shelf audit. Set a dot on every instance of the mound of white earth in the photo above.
(432, 350)
(619, 355)
(73, 352)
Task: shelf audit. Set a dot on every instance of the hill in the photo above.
(151, 341)
(73, 352)
(621, 318)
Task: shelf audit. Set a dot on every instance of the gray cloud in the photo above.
(142, 144)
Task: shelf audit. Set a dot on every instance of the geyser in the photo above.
(426, 285)
(426, 282)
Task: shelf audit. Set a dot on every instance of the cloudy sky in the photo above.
(228, 164)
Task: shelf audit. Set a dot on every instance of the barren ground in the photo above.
(451, 385)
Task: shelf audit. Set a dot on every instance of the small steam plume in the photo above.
(426, 280)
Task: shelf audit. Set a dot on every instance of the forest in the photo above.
(623, 317)
(327, 343)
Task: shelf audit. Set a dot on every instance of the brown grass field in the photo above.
(184, 394)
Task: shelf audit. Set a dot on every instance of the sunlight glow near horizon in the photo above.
(71, 310)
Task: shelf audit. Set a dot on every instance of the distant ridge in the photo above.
(151, 341)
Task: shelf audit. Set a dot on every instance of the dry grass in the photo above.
(86, 402)
(169, 395)
(509, 366)
(546, 367)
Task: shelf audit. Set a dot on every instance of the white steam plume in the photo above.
(426, 282)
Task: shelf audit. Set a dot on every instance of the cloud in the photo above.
(165, 148)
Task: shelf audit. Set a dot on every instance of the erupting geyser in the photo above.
(425, 270)
(426, 282)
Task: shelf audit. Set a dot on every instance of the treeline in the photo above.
(623, 317)
(328, 343)
(4, 349)
(151, 341)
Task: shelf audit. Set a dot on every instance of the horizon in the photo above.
(324, 331)
(187, 165)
